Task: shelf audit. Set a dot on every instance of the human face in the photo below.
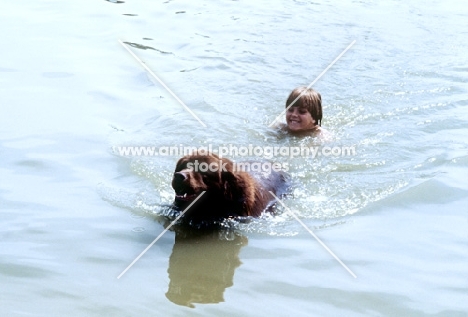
(299, 119)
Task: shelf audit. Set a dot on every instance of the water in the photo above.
(75, 214)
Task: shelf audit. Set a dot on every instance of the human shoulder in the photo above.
(323, 134)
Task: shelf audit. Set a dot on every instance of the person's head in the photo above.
(306, 112)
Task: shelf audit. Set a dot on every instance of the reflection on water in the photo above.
(202, 266)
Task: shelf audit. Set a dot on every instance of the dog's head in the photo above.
(224, 188)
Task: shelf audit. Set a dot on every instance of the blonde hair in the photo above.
(309, 99)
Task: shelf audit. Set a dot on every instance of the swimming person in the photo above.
(305, 115)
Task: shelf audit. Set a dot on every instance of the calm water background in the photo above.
(74, 214)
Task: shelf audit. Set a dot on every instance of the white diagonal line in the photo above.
(157, 238)
(162, 83)
(315, 80)
(313, 235)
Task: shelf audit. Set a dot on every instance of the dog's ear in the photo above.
(233, 186)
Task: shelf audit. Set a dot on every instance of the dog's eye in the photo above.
(209, 177)
(206, 177)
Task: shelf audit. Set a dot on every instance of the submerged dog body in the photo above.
(228, 193)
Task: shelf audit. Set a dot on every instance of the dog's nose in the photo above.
(180, 177)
